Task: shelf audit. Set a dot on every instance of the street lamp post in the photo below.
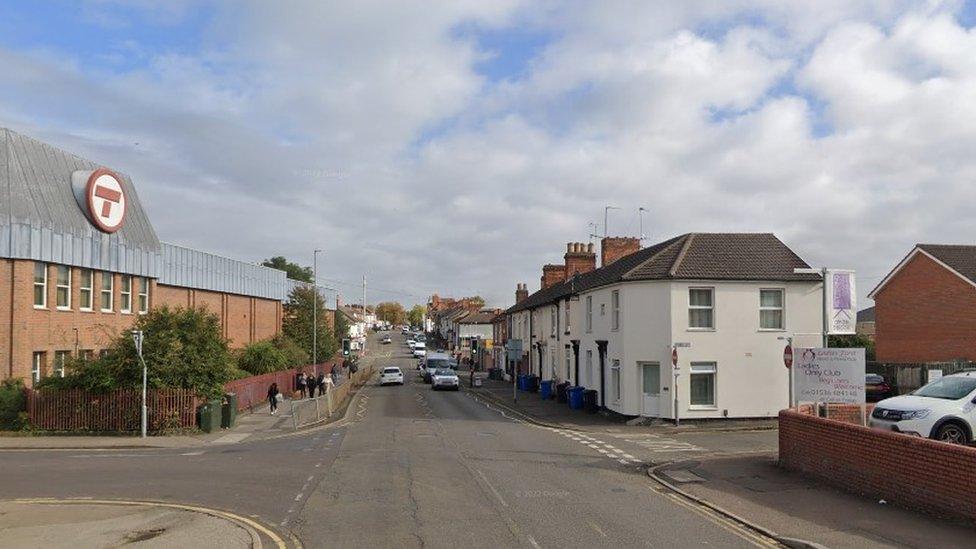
(315, 307)
(137, 339)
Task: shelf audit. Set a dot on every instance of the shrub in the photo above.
(261, 358)
(13, 404)
(295, 356)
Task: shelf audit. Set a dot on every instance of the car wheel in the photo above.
(952, 433)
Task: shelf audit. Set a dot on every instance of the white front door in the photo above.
(651, 388)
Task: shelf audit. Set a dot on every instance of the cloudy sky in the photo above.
(455, 147)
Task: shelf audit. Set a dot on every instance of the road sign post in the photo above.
(788, 362)
(674, 386)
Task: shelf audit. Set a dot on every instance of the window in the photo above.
(567, 317)
(143, 295)
(771, 309)
(615, 310)
(700, 308)
(86, 354)
(589, 366)
(37, 366)
(60, 359)
(554, 317)
(40, 285)
(103, 353)
(107, 287)
(603, 309)
(569, 361)
(615, 380)
(552, 364)
(589, 314)
(63, 287)
(125, 294)
(85, 290)
(702, 384)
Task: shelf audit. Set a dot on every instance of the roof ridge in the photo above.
(681, 255)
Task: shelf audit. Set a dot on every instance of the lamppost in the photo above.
(137, 339)
(315, 307)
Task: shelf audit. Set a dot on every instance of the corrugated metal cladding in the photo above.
(204, 271)
(41, 220)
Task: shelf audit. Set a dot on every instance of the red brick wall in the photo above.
(909, 471)
(613, 248)
(925, 314)
(552, 274)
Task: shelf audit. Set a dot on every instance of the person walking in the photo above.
(301, 384)
(310, 385)
(320, 381)
(273, 395)
(335, 376)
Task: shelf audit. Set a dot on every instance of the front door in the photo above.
(651, 388)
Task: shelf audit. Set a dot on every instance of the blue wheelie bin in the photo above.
(576, 397)
(545, 389)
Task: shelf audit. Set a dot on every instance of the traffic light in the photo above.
(346, 347)
(474, 346)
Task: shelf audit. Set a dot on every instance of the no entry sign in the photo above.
(106, 200)
(788, 356)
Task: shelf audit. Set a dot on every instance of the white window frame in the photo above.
(589, 314)
(569, 363)
(144, 295)
(125, 305)
(60, 358)
(781, 309)
(711, 290)
(58, 287)
(37, 365)
(553, 318)
(89, 290)
(615, 310)
(567, 315)
(42, 284)
(102, 290)
(704, 368)
(615, 380)
(589, 366)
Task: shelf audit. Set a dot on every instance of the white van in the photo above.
(419, 350)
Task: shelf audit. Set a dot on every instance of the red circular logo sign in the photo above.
(106, 200)
(788, 356)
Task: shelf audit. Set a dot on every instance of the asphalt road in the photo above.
(415, 468)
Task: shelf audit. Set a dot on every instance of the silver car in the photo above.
(444, 378)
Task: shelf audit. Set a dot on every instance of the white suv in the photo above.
(943, 410)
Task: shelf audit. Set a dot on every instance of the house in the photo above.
(475, 326)
(725, 299)
(865, 323)
(925, 308)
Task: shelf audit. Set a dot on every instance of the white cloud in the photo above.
(365, 129)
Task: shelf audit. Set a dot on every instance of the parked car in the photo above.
(419, 350)
(387, 340)
(444, 378)
(876, 388)
(411, 343)
(391, 374)
(944, 409)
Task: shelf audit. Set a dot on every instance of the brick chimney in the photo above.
(613, 248)
(579, 259)
(521, 292)
(552, 274)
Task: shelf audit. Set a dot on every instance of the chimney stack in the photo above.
(552, 275)
(521, 292)
(579, 259)
(613, 248)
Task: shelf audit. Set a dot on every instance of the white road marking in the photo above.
(628, 456)
(193, 454)
(493, 490)
(532, 542)
(231, 438)
(298, 497)
(598, 530)
(624, 461)
(310, 478)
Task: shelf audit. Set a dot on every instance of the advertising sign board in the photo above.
(841, 302)
(829, 375)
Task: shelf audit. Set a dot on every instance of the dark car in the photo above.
(876, 388)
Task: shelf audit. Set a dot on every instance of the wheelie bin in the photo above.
(228, 411)
(590, 403)
(533, 383)
(545, 389)
(576, 397)
(561, 392)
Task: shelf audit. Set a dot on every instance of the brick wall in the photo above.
(925, 314)
(613, 248)
(910, 471)
(552, 274)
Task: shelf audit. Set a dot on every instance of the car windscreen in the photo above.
(873, 378)
(444, 372)
(391, 370)
(437, 363)
(949, 388)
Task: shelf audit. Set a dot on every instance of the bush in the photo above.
(295, 356)
(261, 358)
(13, 404)
(183, 348)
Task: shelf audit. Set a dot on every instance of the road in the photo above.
(415, 468)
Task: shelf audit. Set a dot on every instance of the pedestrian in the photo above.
(301, 384)
(321, 382)
(273, 395)
(310, 385)
(335, 376)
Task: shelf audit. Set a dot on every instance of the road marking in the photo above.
(231, 438)
(624, 461)
(193, 454)
(532, 541)
(493, 490)
(597, 528)
(628, 456)
(298, 497)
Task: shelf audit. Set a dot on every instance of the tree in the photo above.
(854, 341)
(297, 324)
(183, 348)
(477, 300)
(392, 312)
(261, 357)
(293, 270)
(416, 315)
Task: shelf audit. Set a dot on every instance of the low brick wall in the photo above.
(910, 471)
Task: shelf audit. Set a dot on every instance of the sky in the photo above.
(456, 147)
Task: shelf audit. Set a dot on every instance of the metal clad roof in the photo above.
(188, 268)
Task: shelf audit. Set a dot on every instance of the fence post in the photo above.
(294, 418)
(328, 396)
(318, 413)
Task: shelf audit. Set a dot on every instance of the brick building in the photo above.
(79, 261)
(925, 309)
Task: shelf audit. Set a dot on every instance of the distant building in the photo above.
(865, 323)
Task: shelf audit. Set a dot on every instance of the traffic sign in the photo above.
(788, 356)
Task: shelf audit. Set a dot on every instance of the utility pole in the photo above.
(315, 307)
(137, 339)
(823, 300)
(606, 215)
(365, 328)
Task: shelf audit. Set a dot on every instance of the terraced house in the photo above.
(80, 260)
(727, 301)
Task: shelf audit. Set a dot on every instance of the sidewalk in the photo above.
(756, 489)
(556, 414)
